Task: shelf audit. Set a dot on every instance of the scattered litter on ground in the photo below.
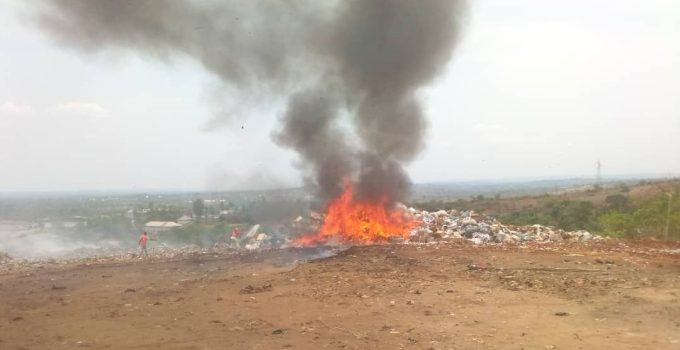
(253, 290)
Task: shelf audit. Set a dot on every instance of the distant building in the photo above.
(72, 224)
(186, 219)
(69, 223)
(160, 226)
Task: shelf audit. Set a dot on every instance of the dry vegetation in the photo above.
(632, 210)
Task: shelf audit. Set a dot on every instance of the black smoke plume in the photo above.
(356, 63)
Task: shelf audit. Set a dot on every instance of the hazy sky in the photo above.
(535, 89)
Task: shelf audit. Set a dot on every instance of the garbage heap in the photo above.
(478, 228)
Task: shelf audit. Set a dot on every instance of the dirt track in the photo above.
(384, 297)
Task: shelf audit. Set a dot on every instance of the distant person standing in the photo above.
(143, 239)
(236, 237)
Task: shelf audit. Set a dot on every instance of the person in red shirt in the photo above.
(143, 239)
(235, 237)
(236, 232)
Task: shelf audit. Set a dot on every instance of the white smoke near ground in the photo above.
(27, 243)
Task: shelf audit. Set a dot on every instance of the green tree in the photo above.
(571, 215)
(617, 224)
(618, 202)
(198, 208)
(164, 214)
(651, 215)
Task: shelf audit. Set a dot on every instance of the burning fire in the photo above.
(354, 221)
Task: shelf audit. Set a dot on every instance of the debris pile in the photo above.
(439, 226)
(480, 229)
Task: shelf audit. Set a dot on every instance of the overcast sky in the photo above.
(536, 89)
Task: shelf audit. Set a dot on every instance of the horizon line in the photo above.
(486, 181)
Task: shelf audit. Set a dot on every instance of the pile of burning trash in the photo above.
(351, 220)
(409, 225)
(457, 225)
(413, 226)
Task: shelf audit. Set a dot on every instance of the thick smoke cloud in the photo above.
(361, 61)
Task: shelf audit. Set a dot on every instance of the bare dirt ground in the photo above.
(446, 296)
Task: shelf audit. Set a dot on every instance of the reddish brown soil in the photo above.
(453, 296)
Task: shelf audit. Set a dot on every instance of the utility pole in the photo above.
(668, 215)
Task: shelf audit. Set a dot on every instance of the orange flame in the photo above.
(353, 221)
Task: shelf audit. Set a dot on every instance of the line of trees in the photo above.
(653, 217)
(620, 217)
